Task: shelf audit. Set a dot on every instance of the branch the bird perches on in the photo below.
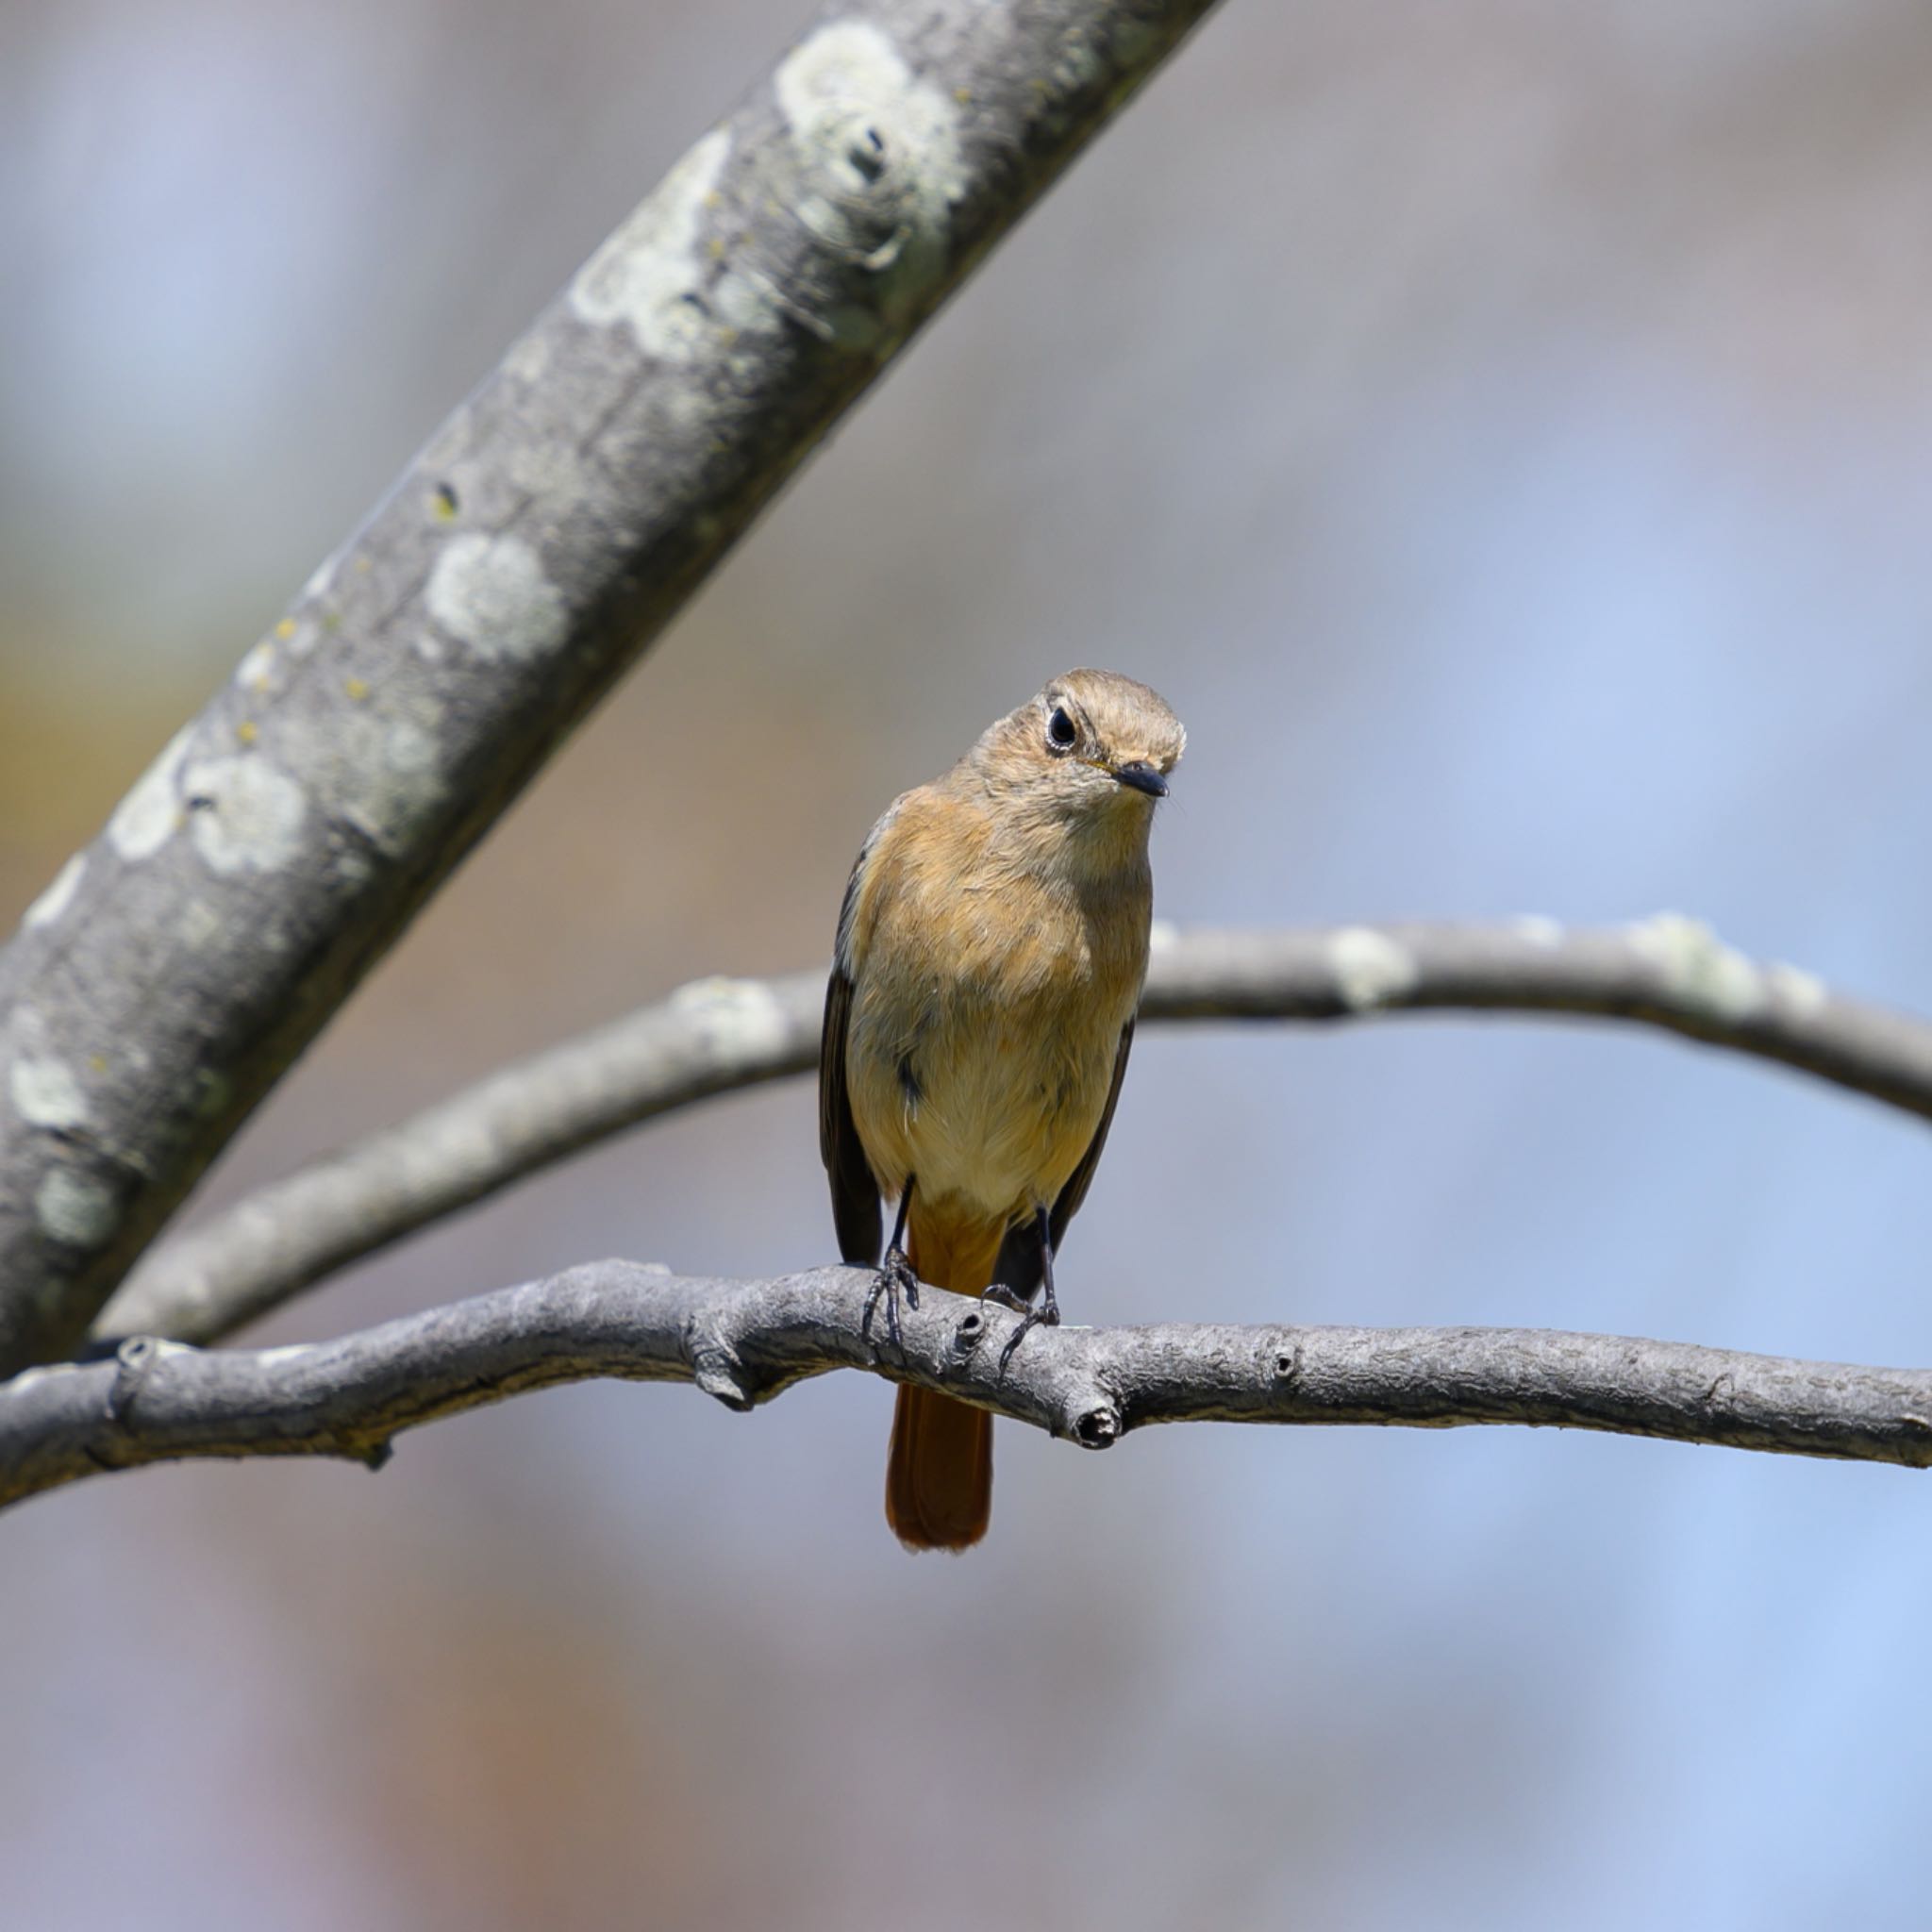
(743, 1341)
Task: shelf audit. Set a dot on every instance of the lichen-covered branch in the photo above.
(547, 533)
(744, 1340)
(721, 1034)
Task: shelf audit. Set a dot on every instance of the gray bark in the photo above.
(544, 536)
(743, 1341)
(721, 1034)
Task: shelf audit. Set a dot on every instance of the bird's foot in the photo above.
(1047, 1315)
(896, 1277)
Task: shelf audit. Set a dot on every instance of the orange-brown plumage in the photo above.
(991, 953)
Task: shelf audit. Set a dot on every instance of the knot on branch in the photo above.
(1098, 1427)
(873, 166)
(133, 1361)
(1082, 1407)
(716, 1365)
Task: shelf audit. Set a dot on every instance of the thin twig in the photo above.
(718, 1035)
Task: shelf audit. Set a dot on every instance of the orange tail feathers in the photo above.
(938, 1478)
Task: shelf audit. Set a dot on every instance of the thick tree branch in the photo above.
(744, 1340)
(722, 1034)
(549, 531)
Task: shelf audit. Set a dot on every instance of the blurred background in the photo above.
(1504, 431)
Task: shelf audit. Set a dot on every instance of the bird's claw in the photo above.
(1047, 1315)
(896, 1277)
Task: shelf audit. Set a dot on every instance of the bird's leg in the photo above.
(895, 1274)
(1047, 1314)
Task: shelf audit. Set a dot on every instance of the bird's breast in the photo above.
(984, 1027)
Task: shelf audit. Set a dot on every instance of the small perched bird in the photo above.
(991, 949)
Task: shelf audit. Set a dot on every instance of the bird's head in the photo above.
(1093, 747)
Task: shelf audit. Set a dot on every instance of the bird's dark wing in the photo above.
(1018, 1267)
(854, 1194)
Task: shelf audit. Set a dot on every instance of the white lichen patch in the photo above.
(58, 896)
(45, 1093)
(1079, 65)
(299, 635)
(320, 579)
(1538, 929)
(257, 666)
(646, 273)
(285, 1357)
(736, 1018)
(247, 814)
(529, 357)
(1369, 969)
(196, 924)
(409, 785)
(553, 471)
(491, 594)
(407, 750)
(744, 301)
(1699, 970)
(76, 1209)
(875, 141)
(1801, 993)
(147, 817)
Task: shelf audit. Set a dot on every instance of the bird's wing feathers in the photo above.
(854, 1194)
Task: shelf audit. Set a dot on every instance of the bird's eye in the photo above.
(1061, 734)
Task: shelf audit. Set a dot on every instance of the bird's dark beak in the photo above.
(1142, 776)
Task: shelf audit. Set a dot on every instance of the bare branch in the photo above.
(721, 1034)
(550, 530)
(744, 1340)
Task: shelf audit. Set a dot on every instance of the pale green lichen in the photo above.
(733, 1017)
(247, 814)
(380, 763)
(646, 273)
(45, 1093)
(58, 895)
(881, 166)
(76, 1209)
(1371, 970)
(149, 816)
(491, 594)
(1700, 972)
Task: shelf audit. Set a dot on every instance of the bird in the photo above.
(991, 947)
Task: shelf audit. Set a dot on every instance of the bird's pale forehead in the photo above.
(1114, 704)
